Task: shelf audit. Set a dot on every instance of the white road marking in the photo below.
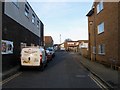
(10, 78)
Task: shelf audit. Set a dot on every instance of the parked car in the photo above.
(33, 56)
(62, 49)
(52, 51)
(49, 55)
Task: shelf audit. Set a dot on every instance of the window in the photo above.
(99, 7)
(37, 24)
(33, 18)
(26, 10)
(23, 45)
(94, 49)
(100, 28)
(101, 49)
(16, 3)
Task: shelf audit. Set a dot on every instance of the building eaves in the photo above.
(90, 13)
(48, 37)
(26, 2)
(72, 41)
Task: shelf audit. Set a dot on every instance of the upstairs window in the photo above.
(99, 7)
(33, 18)
(16, 3)
(38, 24)
(101, 28)
(26, 10)
(101, 49)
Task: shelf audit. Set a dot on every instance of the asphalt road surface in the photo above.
(64, 71)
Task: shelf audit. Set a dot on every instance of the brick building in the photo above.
(48, 40)
(20, 27)
(71, 45)
(83, 47)
(104, 28)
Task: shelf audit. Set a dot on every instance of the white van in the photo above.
(33, 56)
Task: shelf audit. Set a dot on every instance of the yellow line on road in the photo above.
(98, 82)
(10, 78)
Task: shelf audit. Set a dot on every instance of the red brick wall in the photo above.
(91, 30)
(48, 41)
(109, 15)
(119, 31)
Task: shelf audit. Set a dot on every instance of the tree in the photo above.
(68, 39)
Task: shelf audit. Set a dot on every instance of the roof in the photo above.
(86, 41)
(48, 38)
(72, 41)
(90, 12)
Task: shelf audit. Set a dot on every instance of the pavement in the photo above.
(108, 75)
(0, 80)
(10, 72)
(6, 74)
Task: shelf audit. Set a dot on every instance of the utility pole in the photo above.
(60, 38)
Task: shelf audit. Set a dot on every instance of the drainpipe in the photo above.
(94, 33)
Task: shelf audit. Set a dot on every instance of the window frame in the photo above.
(16, 3)
(100, 6)
(38, 24)
(33, 18)
(101, 49)
(26, 10)
(101, 28)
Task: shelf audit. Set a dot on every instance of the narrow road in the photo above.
(64, 71)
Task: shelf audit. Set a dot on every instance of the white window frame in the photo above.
(101, 49)
(100, 7)
(26, 10)
(33, 18)
(100, 28)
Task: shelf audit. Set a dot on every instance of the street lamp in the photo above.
(90, 22)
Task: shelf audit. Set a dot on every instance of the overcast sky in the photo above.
(65, 17)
